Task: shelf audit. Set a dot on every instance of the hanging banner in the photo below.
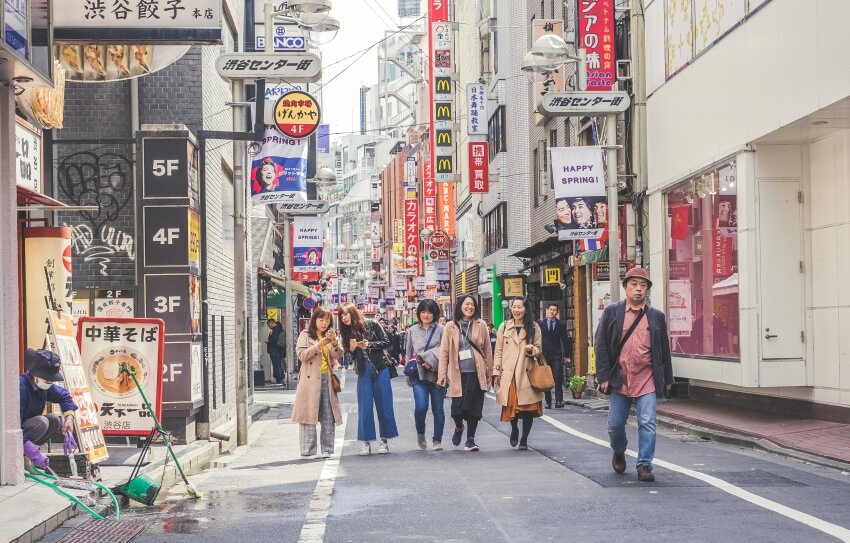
(411, 234)
(476, 99)
(89, 435)
(279, 171)
(578, 176)
(548, 80)
(307, 244)
(596, 35)
(479, 167)
(48, 258)
(105, 344)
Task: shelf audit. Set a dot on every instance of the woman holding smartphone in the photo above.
(366, 341)
(316, 402)
(517, 343)
(466, 363)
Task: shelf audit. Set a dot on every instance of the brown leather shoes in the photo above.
(618, 462)
(645, 474)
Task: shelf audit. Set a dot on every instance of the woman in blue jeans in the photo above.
(423, 345)
(366, 342)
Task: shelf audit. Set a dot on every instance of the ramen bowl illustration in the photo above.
(107, 378)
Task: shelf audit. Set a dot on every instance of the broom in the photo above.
(129, 370)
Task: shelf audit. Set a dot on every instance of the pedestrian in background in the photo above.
(395, 343)
(316, 401)
(367, 342)
(466, 364)
(423, 347)
(517, 344)
(492, 330)
(633, 366)
(557, 346)
(276, 345)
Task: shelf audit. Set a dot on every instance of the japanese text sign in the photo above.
(479, 167)
(106, 344)
(292, 67)
(438, 10)
(596, 36)
(476, 99)
(297, 114)
(27, 155)
(549, 80)
(581, 209)
(446, 209)
(580, 104)
(429, 196)
(89, 435)
(411, 233)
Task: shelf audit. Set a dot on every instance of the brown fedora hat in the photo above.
(638, 273)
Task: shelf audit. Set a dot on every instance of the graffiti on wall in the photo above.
(104, 180)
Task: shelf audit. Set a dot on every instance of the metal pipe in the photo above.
(239, 252)
(639, 154)
(613, 214)
(290, 307)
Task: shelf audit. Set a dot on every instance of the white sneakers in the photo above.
(438, 446)
(365, 449)
(383, 448)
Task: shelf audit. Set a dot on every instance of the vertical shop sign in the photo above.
(28, 155)
(410, 173)
(476, 100)
(596, 36)
(479, 167)
(442, 40)
(411, 233)
(548, 80)
(89, 435)
(446, 209)
(106, 344)
(429, 197)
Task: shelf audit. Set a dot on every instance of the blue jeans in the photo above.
(422, 392)
(618, 413)
(277, 366)
(374, 388)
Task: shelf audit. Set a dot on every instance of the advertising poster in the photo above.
(600, 298)
(279, 171)
(89, 435)
(307, 244)
(581, 207)
(105, 344)
(679, 307)
(48, 251)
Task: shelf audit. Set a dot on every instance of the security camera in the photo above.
(563, 286)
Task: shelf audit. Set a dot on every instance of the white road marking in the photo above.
(828, 528)
(313, 530)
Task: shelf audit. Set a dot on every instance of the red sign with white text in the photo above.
(479, 167)
(596, 36)
(438, 10)
(411, 233)
(429, 197)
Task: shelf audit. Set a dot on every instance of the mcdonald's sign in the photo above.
(444, 138)
(442, 85)
(443, 111)
(445, 164)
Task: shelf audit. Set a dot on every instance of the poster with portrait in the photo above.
(105, 344)
(89, 434)
(680, 307)
(581, 207)
(307, 244)
(279, 171)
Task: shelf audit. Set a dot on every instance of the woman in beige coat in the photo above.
(466, 364)
(318, 350)
(518, 342)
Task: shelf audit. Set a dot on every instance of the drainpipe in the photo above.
(639, 156)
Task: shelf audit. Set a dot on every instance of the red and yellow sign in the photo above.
(297, 114)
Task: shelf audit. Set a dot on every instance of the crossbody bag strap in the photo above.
(431, 336)
(473, 345)
(626, 338)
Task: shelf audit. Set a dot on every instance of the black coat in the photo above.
(556, 344)
(378, 344)
(272, 347)
(608, 335)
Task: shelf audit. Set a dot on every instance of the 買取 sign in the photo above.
(138, 21)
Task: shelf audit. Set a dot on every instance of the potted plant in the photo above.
(577, 384)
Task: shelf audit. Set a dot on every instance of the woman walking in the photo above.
(466, 363)
(366, 341)
(423, 346)
(517, 344)
(316, 402)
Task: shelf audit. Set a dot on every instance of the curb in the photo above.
(725, 437)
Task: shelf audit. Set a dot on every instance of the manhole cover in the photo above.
(104, 531)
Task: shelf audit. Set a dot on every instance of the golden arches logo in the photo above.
(443, 112)
(444, 137)
(444, 165)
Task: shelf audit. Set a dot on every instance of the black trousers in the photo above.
(556, 360)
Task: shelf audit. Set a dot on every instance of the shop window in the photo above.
(702, 288)
(496, 135)
(496, 229)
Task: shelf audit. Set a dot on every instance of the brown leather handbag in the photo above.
(337, 384)
(540, 375)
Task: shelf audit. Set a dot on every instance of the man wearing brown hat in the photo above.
(633, 366)
(37, 386)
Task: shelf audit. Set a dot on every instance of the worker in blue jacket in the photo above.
(38, 388)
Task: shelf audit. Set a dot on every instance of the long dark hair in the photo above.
(527, 319)
(356, 330)
(458, 314)
(318, 313)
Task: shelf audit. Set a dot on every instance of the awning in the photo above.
(281, 281)
(727, 286)
(540, 247)
(589, 257)
(30, 200)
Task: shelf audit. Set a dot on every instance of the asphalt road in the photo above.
(563, 488)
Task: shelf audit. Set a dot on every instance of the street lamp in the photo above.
(549, 52)
(310, 6)
(325, 176)
(425, 234)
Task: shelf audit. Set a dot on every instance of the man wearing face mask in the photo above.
(37, 390)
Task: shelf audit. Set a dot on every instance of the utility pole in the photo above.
(613, 213)
(239, 267)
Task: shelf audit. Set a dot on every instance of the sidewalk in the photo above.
(30, 511)
(816, 441)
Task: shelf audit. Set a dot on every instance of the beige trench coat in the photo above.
(309, 391)
(511, 361)
(449, 347)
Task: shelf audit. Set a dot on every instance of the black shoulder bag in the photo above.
(615, 365)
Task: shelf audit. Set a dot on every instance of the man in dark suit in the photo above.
(276, 351)
(633, 366)
(557, 346)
